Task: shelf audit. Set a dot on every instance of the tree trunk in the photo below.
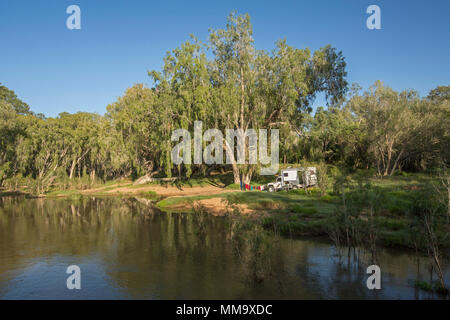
(388, 162)
(229, 152)
(248, 177)
(93, 175)
(72, 168)
(394, 167)
(434, 248)
(236, 176)
(448, 197)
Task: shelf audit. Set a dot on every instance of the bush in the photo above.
(430, 227)
(329, 198)
(323, 181)
(306, 211)
(298, 191)
(435, 287)
(392, 224)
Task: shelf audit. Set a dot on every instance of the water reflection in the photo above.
(127, 249)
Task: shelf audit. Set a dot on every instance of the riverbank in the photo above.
(131, 250)
(154, 190)
(293, 213)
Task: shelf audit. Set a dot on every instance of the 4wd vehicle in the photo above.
(293, 178)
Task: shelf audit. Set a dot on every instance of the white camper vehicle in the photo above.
(293, 178)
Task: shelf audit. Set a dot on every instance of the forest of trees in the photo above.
(227, 83)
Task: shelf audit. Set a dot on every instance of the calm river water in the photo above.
(128, 250)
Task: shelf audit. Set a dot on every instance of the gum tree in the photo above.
(257, 90)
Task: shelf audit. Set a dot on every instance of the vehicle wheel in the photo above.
(271, 189)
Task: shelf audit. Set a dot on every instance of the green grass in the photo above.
(150, 195)
(423, 285)
(174, 201)
(304, 211)
(114, 186)
(11, 193)
(298, 213)
(59, 193)
(139, 186)
(392, 224)
(233, 186)
(398, 238)
(435, 287)
(113, 183)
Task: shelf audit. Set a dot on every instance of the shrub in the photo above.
(323, 181)
(306, 211)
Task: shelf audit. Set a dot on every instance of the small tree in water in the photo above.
(257, 249)
(430, 229)
(354, 222)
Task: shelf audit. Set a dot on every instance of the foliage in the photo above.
(430, 227)
(227, 84)
(323, 181)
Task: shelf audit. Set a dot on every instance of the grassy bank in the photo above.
(293, 213)
(297, 213)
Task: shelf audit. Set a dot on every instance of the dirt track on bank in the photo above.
(165, 191)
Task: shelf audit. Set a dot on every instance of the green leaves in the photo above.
(225, 83)
(9, 97)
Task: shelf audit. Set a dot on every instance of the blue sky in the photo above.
(54, 69)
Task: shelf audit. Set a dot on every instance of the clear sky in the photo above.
(54, 69)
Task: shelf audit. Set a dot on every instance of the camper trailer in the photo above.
(293, 178)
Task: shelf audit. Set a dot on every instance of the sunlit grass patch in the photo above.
(151, 195)
(59, 193)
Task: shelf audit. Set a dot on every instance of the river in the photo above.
(126, 249)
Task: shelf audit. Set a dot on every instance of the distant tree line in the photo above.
(227, 83)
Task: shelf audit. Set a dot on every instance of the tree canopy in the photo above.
(228, 84)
